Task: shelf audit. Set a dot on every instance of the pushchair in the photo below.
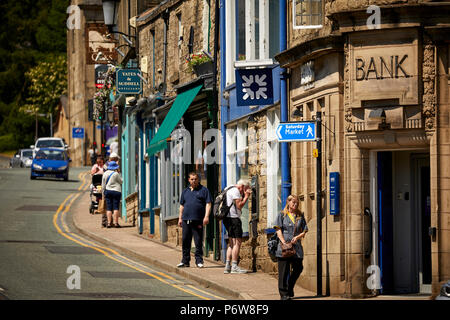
(96, 192)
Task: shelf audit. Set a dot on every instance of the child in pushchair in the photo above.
(96, 192)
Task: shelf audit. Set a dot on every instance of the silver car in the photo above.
(23, 158)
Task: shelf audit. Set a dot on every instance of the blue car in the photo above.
(50, 162)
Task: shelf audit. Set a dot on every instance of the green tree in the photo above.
(47, 82)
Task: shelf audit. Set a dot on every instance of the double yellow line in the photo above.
(62, 228)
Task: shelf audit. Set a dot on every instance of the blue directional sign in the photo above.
(296, 131)
(254, 87)
(128, 81)
(78, 133)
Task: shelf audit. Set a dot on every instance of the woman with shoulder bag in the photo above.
(291, 228)
(112, 188)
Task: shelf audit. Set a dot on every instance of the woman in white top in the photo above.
(112, 191)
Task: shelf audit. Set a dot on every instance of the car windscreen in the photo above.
(49, 144)
(50, 155)
(27, 154)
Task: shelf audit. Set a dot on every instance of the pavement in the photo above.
(250, 286)
(128, 241)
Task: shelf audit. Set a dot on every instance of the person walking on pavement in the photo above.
(195, 206)
(112, 191)
(237, 197)
(291, 227)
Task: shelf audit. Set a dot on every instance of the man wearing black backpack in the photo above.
(237, 197)
(195, 206)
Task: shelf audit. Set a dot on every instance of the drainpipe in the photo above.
(166, 22)
(285, 161)
(223, 110)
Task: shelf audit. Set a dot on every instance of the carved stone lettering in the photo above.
(378, 68)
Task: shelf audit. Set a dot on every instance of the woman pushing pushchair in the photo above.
(96, 185)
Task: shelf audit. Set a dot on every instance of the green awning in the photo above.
(179, 107)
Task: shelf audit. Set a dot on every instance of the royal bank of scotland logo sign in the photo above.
(254, 87)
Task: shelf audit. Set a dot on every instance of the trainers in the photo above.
(200, 265)
(227, 270)
(182, 265)
(238, 270)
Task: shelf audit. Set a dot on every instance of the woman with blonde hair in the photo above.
(291, 228)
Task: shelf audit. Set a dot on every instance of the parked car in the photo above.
(49, 142)
(445, 292)
(22, 158)
(50, 162)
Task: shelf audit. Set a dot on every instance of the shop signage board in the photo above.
(128, 81)
(78, 133)
(296, 131)
(254, 87)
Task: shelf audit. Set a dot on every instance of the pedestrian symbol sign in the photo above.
(296, 131)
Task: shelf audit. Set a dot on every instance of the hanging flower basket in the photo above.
(101, 95)
(200, 64)
(204, 68)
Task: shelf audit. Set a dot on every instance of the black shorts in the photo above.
(234, 227)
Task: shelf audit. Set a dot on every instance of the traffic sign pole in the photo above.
(319, 200)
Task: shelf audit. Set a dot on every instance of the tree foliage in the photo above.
(32, 32)
(47, 82)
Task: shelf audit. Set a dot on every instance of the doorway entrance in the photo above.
(402, 201)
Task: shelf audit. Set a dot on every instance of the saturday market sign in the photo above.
(128, 81)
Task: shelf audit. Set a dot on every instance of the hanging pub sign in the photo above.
(99, 47)
(100, 75)
(254, 87)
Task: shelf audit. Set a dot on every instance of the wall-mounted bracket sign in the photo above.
(254, 87)
(128, 81)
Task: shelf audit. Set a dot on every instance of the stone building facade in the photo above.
(377, 71)
(81, 77)
(168, 35)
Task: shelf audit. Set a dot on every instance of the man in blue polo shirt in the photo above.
(195, 206)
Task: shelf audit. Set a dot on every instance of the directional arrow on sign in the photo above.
(296, 131)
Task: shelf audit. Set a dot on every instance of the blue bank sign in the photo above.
(254, 87)
(128, 81)
(78, 133)
(296, 131)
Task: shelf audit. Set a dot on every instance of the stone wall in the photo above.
(193, 13)
(254, 255)
(132, 206)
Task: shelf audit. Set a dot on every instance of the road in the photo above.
(42, 257)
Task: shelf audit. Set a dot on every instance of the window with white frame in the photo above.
(307, 14)
(273, 167)
(237, 161)
(252, 32)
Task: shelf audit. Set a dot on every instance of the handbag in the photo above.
(287, 250)
(272, 245)
(102, 202)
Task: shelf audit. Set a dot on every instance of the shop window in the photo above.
(273, 168)
(252, 32)
(237, 162)
(307, 14)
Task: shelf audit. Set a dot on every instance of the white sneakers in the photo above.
(234, 270)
